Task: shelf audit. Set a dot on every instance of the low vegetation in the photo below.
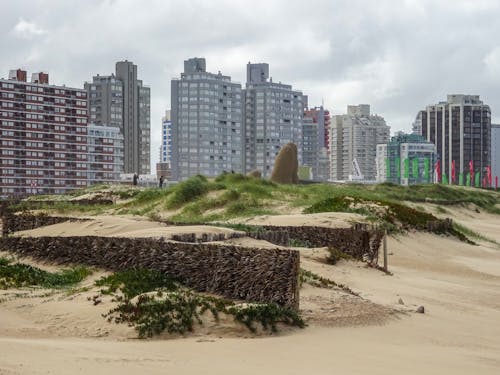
(311, 278)
(335, 255)
(17, 275)
(199, 200)
(153, 303)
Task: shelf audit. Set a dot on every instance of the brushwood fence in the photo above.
(250, 274)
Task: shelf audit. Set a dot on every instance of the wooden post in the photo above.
(385, 251)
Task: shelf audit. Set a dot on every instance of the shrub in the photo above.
(335, 255)
(137, 281)
(176, 309)
(21, 275)
(268, 315)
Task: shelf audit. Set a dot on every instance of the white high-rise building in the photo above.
(166, 138)
(273, 117)
(354, 136)
(207, 129)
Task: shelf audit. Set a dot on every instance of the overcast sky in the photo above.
(398, 56)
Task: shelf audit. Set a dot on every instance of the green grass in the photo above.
(17, 275)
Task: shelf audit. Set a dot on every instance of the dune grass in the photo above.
(202, 200)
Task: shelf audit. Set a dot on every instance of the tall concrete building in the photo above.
(407, 159)
(354, 136)
(122, 100)
(43, 131)
(495, 152)
(105, 95)
(273, 117)
(166, 138)
(207, 128)
(105, 153)
(460, 127)
(315, 142)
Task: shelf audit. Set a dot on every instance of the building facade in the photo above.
(315, 142)
(495, 152)
(105, 154)
(273, 115)
(460, 128)
(43, 136)
(408, 159)
(207, 128)
(105, 95)
(166, 139)
(353, 139)
(122, 100)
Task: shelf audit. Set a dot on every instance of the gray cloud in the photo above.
(399, 56)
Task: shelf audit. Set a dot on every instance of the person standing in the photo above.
(161, 181)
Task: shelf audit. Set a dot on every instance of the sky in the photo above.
(396, 55)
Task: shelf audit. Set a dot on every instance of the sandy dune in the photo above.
(458, 284)
(119, 226)
(324, 219)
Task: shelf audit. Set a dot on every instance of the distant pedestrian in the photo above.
(161, 181)
(135, 179)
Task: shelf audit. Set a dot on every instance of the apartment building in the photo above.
(207, 128)
(43, 136)
(407, 159)
(166, 138)
(123, 101)
(354, 136)
(273, 115)
(315, 142)
(460, 127)
(105, 154)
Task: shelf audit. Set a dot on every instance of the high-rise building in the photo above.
(166, 139)
(314, 141)
(273, 117)
(495, 152)
(407, 159)
(105, 95)
(105, 153)
(310, 146)
(460, 128)
(122, 100)
(163, 167)
(320, 116)
(353, 140)
(316, 122)
(43, 136)
(207, 124)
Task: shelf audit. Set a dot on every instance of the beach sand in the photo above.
(458, 284)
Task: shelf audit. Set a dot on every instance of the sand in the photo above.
(120, 226)
(458, 284)
(324, 219)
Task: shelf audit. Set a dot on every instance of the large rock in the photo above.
(286, 165)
